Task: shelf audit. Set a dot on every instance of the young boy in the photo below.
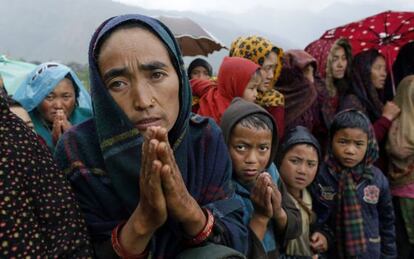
(251, 137)
(351, 195)
(298, 159)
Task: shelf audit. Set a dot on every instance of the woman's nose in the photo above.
(57, 103)
(142, 96)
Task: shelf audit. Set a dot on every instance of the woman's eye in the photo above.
(267, 68)
(49, 98)
(157, 75)
(116, 85)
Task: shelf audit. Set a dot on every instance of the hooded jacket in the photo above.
(238, 110)
(373, 201)
(295, 136)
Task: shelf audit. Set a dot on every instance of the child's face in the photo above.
(199, 72)
(299, 167)
(250, 92)
(349, 146)
(250, 152)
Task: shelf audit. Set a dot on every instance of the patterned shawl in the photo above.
(38, 84)
(400, 142)
(39, 215)
(351, 240)
(233, 77)
(102, 157)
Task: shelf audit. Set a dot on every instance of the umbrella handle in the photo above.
(391, 72)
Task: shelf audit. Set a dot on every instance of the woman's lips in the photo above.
(145, 123)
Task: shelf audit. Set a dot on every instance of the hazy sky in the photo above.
(287, 23)
(300, 21)
(241, 6)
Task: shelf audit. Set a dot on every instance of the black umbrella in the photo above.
(192, 38)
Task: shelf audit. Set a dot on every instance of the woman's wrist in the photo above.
(135, 234)
(205, 232)
(196, 222)
(126, 246)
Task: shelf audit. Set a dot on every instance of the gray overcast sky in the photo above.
(300, 21)
(240, 6)
(287, 23)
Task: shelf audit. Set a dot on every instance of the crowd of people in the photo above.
(279, 155)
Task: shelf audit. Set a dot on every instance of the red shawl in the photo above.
(233, 77)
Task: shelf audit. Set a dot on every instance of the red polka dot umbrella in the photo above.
(387, 32)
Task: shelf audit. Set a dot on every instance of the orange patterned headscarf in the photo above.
(256, 49)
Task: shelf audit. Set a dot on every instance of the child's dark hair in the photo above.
(256, 121)
(349, 119)
(297, 136)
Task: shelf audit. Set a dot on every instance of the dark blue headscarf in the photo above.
(117, 142)
(102, 156)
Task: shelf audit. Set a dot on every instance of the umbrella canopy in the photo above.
(192, 38)
(387, 32)
(13, 73)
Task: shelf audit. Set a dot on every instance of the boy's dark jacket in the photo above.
(238, 110)
(295, 136)
(376, 205)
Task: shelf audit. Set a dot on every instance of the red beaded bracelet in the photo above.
(119, 249)
(205, 232)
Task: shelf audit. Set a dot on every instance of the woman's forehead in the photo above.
(65, 85)
(133, 45)
(132, 37)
